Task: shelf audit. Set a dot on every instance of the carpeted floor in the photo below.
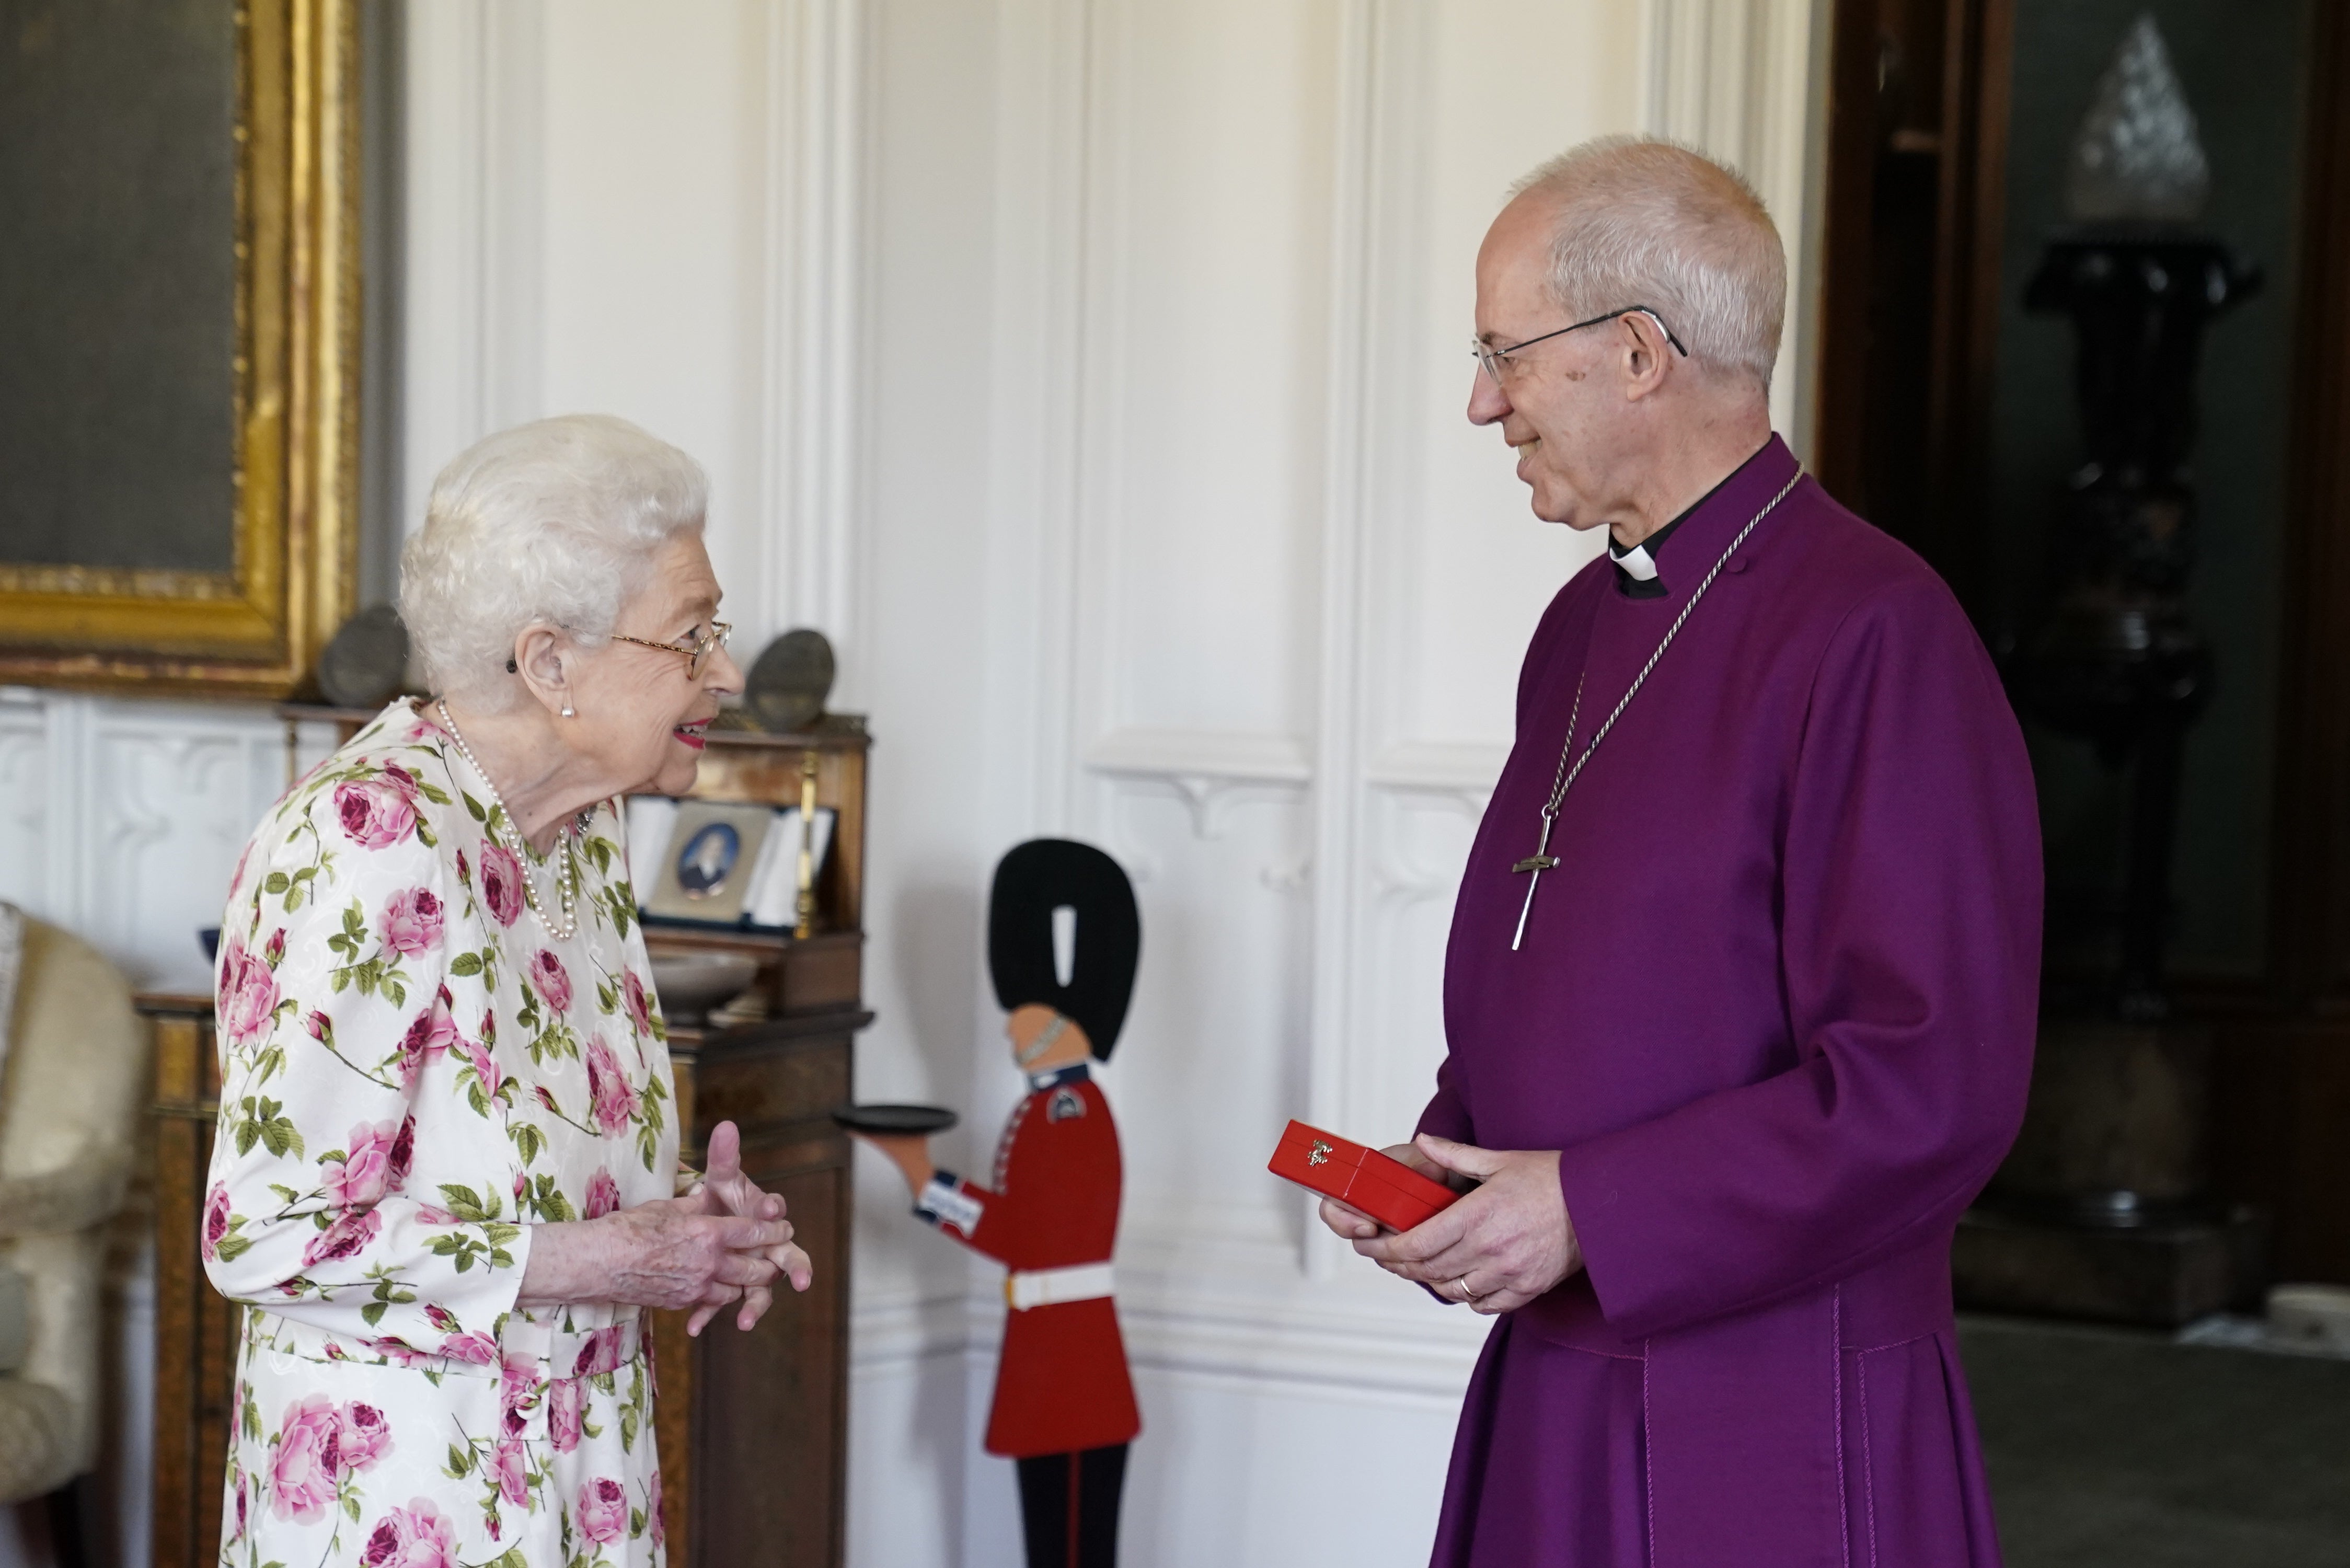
(2112, 1448)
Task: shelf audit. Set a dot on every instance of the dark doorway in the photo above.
(1946, 415)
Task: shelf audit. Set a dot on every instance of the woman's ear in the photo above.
(538, 661)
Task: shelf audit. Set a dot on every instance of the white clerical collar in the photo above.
(1635, 563)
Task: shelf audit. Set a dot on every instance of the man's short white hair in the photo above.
(550, 522)
(1642, 221)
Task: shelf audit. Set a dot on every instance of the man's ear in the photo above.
(1648, 355)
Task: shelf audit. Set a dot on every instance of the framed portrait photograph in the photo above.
(707, 872)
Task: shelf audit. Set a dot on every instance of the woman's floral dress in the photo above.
(413, 1073)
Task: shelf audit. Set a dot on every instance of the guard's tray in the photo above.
(895, 1121)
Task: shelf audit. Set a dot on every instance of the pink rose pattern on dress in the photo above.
(427, 1038)
(411, 921)
(603, 1196)
(377, 815)
(518, 1391)
(248, 995)
(217, 1216)
(603, 1511)
(639, 1001)
(344, 1238)
(502, 882)
(365, 1172)
(565, 1416)
(554, 983)
(366, 1436)
(308, 1462)
(601, 1352)
(416, 1536)
(485, 1067)
(613, 1098)
(510, 1467)
(375, 956)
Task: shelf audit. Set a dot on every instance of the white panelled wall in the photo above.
(1092, 372)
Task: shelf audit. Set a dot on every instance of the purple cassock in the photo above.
(1775, 1005)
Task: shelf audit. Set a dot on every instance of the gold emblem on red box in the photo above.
(1319, 1154)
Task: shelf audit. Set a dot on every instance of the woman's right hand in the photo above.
(667, 1253)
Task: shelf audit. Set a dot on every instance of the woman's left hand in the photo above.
(724, 1189)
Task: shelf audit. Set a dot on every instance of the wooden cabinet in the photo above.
(195, 1329)
(752, 1427)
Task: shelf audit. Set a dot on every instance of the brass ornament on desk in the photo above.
(807, 927)
(788, 683)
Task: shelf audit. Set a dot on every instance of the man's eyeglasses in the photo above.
(697, 655)
(1493, 358)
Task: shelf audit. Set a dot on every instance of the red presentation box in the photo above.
(1387, 1190)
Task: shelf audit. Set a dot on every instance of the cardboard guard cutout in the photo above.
(1064, 1402)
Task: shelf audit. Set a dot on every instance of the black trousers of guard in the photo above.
(1068, 1507)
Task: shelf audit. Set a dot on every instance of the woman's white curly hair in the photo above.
(1642, 221)
(548, 522)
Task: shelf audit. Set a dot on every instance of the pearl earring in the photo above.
(568, 712)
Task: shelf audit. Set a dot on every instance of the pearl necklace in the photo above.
(567, 881)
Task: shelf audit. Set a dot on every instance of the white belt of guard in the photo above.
(1026, 1288)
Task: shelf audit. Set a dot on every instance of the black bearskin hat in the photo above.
(1031, 882)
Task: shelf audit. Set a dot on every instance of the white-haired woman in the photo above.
(445, 1178)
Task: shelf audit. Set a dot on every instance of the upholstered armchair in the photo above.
(72, 1072)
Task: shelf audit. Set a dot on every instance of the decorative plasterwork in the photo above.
(121, 819)
(475, 320)
(814, 287)
(1209, 771)
(1734, 78)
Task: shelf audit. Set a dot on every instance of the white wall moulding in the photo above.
(1735, 78)
(35, 852)
(657, 213)
(1202, 753)
(123, 819)
(1469, 767)
(1396, 1355)
(1210, 773)
(1038, 411)
(813, 244)
(475, 169)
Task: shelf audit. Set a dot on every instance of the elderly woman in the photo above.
(446, 1173)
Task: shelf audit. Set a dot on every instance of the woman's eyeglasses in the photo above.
(696, 654)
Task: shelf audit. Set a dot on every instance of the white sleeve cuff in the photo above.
(945, 1202)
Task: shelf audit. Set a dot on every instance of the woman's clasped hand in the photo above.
(724, 1241)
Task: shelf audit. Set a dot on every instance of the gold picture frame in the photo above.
(256, 628)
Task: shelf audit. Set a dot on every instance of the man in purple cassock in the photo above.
(1740, 988)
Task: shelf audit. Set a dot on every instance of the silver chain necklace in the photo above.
(1542, 859)
(567, 877)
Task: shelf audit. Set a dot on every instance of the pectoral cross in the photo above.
(1533, 865)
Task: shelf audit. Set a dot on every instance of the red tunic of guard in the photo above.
(1062, 1383)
